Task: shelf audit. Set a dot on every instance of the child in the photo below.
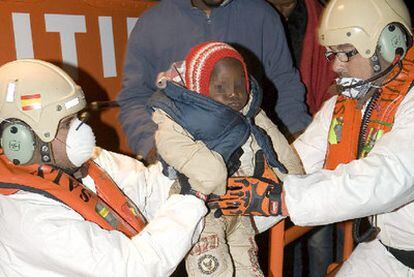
(205, 132)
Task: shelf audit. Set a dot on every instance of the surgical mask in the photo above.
(80, 142)
(348, 88)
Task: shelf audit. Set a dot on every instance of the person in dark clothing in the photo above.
(301, 21)
(166, 32)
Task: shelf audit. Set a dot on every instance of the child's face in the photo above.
(228, 84)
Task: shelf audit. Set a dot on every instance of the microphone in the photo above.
(100, 105)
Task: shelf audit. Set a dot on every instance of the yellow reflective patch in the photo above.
(104, 212)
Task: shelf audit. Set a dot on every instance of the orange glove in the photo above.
(260, 195)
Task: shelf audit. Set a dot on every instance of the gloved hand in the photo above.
(257, 195)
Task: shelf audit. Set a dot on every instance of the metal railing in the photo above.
(279, 238)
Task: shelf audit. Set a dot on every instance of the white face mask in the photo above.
(80, 142)
(354, 92)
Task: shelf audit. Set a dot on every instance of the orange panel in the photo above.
(41, 23)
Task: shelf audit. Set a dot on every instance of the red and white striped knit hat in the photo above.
(200, 62)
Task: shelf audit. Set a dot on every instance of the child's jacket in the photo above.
(191, 125)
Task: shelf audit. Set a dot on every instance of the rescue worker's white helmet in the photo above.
(40, 94)
(366, 25)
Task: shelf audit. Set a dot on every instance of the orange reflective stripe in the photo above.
(343, 133)
(107, 212)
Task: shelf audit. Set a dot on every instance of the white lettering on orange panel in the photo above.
(67, 26)
(22, 36)
(131, 21)
(107, 46)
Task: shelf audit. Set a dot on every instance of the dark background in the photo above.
(410, 4)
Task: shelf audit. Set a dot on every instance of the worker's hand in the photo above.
(259, 195)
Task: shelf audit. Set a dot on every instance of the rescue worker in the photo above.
(358, 151)
(63, 214)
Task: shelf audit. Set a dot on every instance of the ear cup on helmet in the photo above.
(392, 38)
(18, 142)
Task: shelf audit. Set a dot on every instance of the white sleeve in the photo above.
(170, 235)
(312, 144)
(45, 238)
(147, 187)
(190, 157)
(379, 183)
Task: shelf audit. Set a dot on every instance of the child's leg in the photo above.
(210, 255)
(243, 248)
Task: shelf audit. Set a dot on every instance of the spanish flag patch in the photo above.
(31, 102)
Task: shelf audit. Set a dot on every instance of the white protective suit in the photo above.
(381, 184)
(42, 237)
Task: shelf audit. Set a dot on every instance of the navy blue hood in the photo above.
(221, 128)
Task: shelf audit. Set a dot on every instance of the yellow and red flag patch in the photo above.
(31, 102)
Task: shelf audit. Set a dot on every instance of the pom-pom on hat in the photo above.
(200, 63)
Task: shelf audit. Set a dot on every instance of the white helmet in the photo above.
(366, 24)
(39, 94)
(34, 97)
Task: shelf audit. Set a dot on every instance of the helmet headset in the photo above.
(34, 97)
(378, 29)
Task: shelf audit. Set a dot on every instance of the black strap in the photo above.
(405, 257)
(363, 231)
(28, 189)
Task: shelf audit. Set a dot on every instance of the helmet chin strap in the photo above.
(45, 152)
(376, 66)
(47, 157)
(397, 61)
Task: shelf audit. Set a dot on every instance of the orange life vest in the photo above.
(108, 207)
(346, 121)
